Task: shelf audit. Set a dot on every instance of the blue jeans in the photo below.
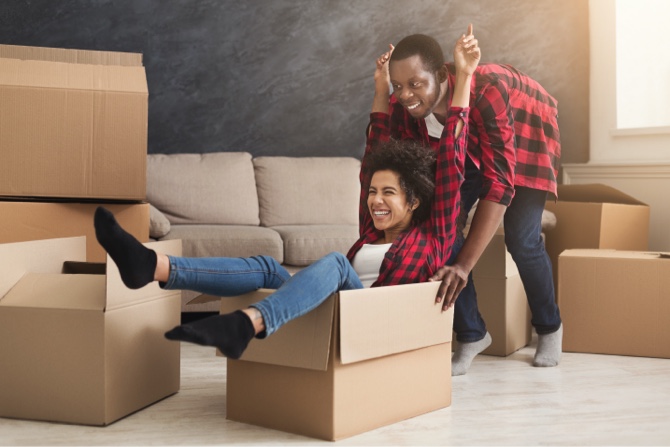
(523, 229)
(295, 295)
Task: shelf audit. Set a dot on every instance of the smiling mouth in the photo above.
(380, 213)
(413, 106)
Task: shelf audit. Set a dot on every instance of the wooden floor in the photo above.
(587, 400)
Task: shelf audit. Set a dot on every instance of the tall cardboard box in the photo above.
(615, 302)
(501, 299)
(34, 220)
(363, 359)
(74, 123)
(76, 345)
(596, 216)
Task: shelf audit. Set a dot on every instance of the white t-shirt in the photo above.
(434, 127)
(368, 261)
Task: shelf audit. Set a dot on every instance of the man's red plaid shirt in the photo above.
(513, 136)
(420, 251)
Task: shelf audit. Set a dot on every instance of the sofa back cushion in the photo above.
(214, 188)
(307, 190)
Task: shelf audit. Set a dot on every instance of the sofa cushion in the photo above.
(304, 244)
(227, 240)
(307, 190)
(216, 188)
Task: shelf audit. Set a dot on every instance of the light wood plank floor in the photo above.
(587, 400)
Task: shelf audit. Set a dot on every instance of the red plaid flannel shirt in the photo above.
(513, 136)
(425, 247)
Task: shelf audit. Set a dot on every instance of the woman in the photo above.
(408, 209)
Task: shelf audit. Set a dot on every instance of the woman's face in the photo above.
(387, 202)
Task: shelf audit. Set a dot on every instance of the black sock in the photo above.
(230, 333)
(136, 263)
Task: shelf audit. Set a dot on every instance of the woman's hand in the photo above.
(382, 77)
(467, 53)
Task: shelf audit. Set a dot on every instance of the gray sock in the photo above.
(465, 353)
(549, 348)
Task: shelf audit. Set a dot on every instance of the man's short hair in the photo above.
(425, 46)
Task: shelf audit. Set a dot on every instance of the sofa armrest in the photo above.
(159, 225)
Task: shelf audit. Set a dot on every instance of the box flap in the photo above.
(82, 77)
(202, 299)
(381, 321)
(43, 256)
(300, 343)
(57, 291)
(612, 254)
(118, 295)
(596, 192)
(71, 56)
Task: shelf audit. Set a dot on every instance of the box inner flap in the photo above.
(300, 343)
(57, 291)
(597, 193)
(381, 321)
(42, 256)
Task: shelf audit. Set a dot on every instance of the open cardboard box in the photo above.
(615, 302)
(596, 216)
(76, 345)
(74, 123)
(363, 359)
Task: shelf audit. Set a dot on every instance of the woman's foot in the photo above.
(230, 333)
(136, 263)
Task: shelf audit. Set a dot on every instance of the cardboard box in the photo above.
(615, 302)
(596, 216)
(74, 124)
(29, 221)
(363, 359)
(501, 299)
(76, 345)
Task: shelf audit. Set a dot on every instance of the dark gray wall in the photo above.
(294, 77)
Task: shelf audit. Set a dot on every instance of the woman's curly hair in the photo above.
(415, 166)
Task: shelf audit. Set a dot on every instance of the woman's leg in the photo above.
(308, 288)
(139, 265)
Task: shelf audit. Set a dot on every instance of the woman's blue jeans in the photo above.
(523, 238)
(295, 295)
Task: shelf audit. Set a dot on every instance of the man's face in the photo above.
(417, 89)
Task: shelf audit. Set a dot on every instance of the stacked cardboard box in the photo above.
(615, 302)
(596, 216)
(501, 299)
(73, 135)
(75, 344)
(363, 359)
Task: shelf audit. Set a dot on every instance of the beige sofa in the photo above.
(295, 209)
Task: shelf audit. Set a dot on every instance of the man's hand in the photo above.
(467, 53)
(454, 279)
(382, 77)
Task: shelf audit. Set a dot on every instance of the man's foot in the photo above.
(230, 333)
(466, 352)
(136, 263)
(549, 348)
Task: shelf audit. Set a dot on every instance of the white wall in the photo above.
(630, 153)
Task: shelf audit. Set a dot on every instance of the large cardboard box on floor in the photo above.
(33, 220)
(596, 216)
(76, 345)
(501, 299)
(74, 123)
(615, 302)
(363, 359)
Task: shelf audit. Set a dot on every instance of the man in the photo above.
(512, 164)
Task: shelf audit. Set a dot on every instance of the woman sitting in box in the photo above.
(409, 205)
